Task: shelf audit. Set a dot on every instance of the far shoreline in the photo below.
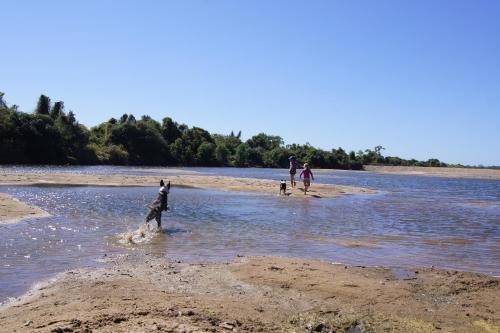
(443, 172)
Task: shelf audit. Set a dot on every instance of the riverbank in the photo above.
(436, 172)
(194, 181)
(13, 210)
(141, 293)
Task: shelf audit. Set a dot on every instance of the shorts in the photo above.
(307, 182)
(293, 172)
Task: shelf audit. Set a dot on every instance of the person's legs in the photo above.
(292, 180)
(307, 183)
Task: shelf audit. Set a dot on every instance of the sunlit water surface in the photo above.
(412, 221)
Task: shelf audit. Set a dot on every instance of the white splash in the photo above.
(140, 236)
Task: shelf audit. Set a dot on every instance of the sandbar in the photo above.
(436, 172)
(167, 171)
(142, 293)
(226, 183)
(12, 210)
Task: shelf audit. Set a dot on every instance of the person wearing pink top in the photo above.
(306, 175)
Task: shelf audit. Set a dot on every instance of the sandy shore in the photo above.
(13, 210)
(167, 171)
(252, 294)
(195, 181)
(437, 172)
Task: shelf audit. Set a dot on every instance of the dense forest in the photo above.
(50, 135)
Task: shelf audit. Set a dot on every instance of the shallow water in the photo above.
(413, 221)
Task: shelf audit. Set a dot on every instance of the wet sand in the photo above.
(140, 293)
(13, 210)
(436, 172)
(194, 181)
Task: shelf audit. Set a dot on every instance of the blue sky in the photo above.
(421, 78)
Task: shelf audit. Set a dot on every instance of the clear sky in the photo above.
(421, 78)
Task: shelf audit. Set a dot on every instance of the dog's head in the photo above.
(163, 188)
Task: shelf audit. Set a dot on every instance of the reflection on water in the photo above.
(415, 221)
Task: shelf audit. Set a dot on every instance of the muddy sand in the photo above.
(436, 172)
(140, 293)
(13, 210)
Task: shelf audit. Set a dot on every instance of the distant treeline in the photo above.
(50, 135)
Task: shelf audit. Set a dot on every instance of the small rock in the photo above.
(28, 323)
(356, 327)
(276, 268)
(227, 326)
(318, 327)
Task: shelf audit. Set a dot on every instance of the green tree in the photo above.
(57, 109)
(276, 158)
(255, 157)
(264, 141)
(177, 151)
(43, 105)
(142, 139)
(205, 154)
(50, 135)
(195, 137)
(222, 154)
(3, 104)
(170, 130)
(241, 155)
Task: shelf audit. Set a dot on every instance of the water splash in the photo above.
(142, 235)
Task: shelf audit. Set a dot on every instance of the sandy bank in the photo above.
(13, 210)
(167, 171)
(437, 172)
(195, 181)
(257, 294)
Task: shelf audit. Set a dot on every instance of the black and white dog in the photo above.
(159, 205)
(282, 187)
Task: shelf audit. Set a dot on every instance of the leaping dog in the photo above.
(158, 205)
